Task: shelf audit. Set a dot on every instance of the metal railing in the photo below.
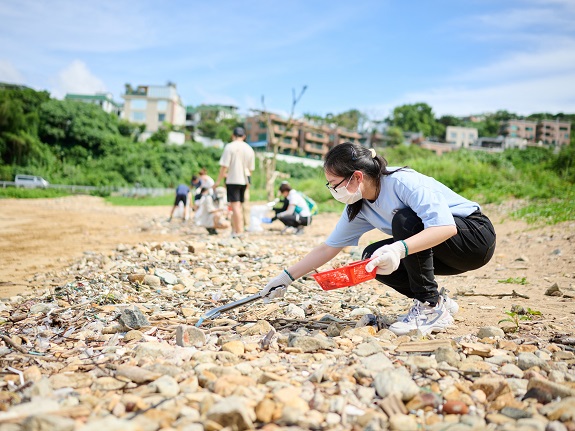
(114, 190)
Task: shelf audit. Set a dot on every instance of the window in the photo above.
(453, 135)
(262, 136)
(162, 105)
(162, 117)
(138, 104)
(513, 127)
(138, 116)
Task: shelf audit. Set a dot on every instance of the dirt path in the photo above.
(42, 235)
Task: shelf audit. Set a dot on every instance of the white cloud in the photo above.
(547, 61)
(9, 73)
(555, 94)
(77, 78)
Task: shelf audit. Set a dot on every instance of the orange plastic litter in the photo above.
(345, 276)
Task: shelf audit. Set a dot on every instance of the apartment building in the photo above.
(519, 129)
(341, 135)
(153, 105)
(303, 138)
(461, 137)
(103, 100)
(315, 140)
(257, 132)
(552, 132)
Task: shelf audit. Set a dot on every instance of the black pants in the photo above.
(294, 220)
(471, 248)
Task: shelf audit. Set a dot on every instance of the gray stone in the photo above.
(395, 381)
(403, 423)
(562, 410)
(48, 423)
(111, 423)
(166, 276)
(133, 318)
(555, 426)
(232, 412)
(513, 413)
(499, 360)
(421, 362)
(447, 354)
(528, 360)
(531, 424)
(367, 349)
(312, 344)
(152, 281)
(167, 386)
(490, 332)
(188, 336)
(43, 308)
(511, 370)
(377, 362)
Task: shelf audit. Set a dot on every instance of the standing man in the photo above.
(236, 166)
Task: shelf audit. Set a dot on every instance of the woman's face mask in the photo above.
(343, 195)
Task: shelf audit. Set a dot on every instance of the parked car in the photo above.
(30, 181)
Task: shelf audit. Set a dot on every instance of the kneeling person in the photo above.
(208, 214)
(297, 213)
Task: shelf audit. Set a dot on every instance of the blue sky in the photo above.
(460, 57)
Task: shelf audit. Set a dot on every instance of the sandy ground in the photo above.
(45, 235)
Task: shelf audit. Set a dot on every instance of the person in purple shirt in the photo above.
(183, 194)
(432, 231)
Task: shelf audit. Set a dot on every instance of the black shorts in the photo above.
(181, 198)
(236, 192)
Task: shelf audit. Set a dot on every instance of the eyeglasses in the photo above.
(334, 188)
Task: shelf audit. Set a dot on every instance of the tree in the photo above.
(394, 136)
(19, 124)
(416, 117)
(351, 120)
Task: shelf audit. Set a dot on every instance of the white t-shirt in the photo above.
(206, 182)
(432, 201)
(301, 206)
(205, 213)
(240, 160)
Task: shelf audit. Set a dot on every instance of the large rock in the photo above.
(312, 344)
(396, 381)
(232, 412)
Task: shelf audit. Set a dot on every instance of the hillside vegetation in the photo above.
(69, 142)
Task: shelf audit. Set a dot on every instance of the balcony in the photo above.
(279, 129)
(286, 144)
(311, 147)
(322, 138)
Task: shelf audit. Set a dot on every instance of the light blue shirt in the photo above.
(433, 202)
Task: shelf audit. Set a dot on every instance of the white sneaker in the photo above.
(450, 304)
(423, 317)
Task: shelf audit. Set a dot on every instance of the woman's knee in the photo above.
(405, 223)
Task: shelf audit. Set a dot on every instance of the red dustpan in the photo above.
(345, 276)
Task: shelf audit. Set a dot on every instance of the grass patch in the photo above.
(141, 201)
(547, 211)
(22, 193)
(514, 280)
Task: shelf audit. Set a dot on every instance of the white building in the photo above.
(153, 105)
(103, 100)
(461, 137)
